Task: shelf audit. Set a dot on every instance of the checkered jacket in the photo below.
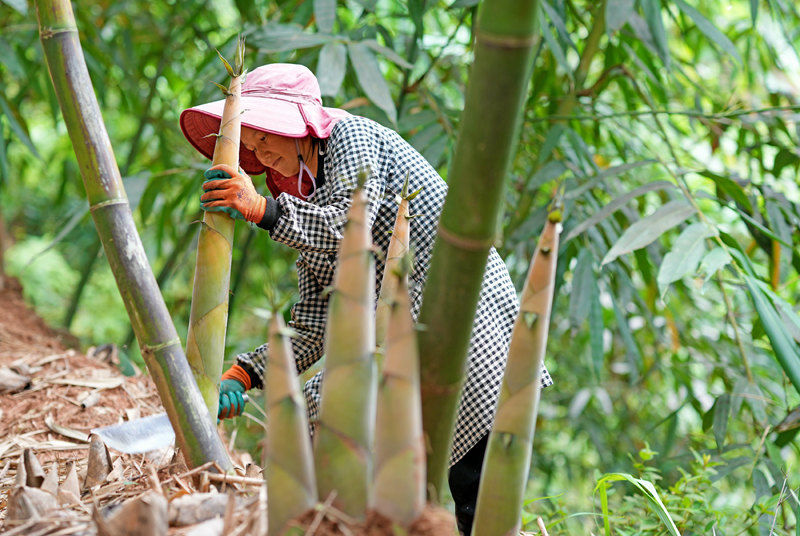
(314, 228)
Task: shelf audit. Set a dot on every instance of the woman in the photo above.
(311, 156)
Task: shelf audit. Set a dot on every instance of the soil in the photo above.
(60, 377)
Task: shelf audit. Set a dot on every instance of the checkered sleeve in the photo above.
(310, 227)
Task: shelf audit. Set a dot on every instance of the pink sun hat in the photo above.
(279, 98)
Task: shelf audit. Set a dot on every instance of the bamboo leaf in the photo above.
(389, 53)
(550, 171)
(713, 261)
(646, 230)
(785, 348)
(10, 59)
(274, 37)
(17, 128)
(615, 205)
(752, 221)
(631, 349)
(597, 178)
(730, 188)
(325, 14)
(463, 3)
(583, 280)
(331, 67)
(647, 489)
(558, 22)
(617, 14)
(596, 331)
(555, 48)
(371, 79)
(709, 30)
(685, 255)
(722, 409)
(787, 313)
(20, 6)
(652, 14)
(754, 16)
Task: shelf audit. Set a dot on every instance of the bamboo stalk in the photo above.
(291, 487)
(505, 34)
(208, 318)
(399, 451)
(508, 455)
(343, 442)
(195, 433)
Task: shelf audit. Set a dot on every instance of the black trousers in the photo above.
(464, 477)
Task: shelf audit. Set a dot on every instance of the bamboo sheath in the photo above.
(343, 442)
(505, 34)
(399, 483)
(291, 487)
(161, 348)
(508, 455)
(208, 318)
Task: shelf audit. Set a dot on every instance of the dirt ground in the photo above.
(135, 494)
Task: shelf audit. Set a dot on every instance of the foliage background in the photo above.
(664, 369)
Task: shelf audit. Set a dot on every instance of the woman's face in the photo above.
(274, 151)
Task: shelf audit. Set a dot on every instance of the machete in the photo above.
(140, 435)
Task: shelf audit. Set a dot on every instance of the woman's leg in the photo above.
(464, 477)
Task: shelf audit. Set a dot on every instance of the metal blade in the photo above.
(140, 435)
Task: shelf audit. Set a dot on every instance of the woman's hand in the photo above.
(226, 188)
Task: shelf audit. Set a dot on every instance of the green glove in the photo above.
(231, 399)
(216, 174)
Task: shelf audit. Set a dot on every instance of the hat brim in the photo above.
(276, 116)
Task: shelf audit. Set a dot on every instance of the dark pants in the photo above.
(464, 477)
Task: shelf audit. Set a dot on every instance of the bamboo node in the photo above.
(47, 33)
(109, 202)
(471, 244)
(505, 41)
(155, 348)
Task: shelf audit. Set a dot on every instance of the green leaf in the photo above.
(709, 30)
(615, 205)
(753, 17)
(752, 221)
(21, 6)
(274, 37)
(550, 171)
(463, 3)
(722, 408)
(558, 22)
(388, 53)
(17, 128)
(331, 67)
(583, 279)
(371, 79)
(596, 329)
(9, 58)
(613, 171)
(713, 261)
(785, 348)
(685, 255)
(617, 14)
(791, 320)
(730, 188)
(325, 14)
(652, 14)
(647, 489)
(646, 230)
(631, 349)
(555, 48)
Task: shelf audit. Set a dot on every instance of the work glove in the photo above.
(231, 399)
(232, 192)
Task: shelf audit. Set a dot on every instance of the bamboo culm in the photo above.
(161, 349)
